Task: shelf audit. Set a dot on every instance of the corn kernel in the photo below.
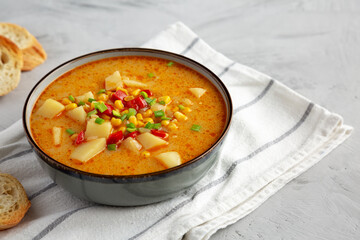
(180, 117)
(123, 129)
(150, 120)
(125, 111)
(87, 107)
(119, 105)
(128, 98)
(145, 154)
(106, 117)
(65, 101)
(188, 102)
(166, 99)
(187, 110)
(122, 89)
(141, 124)
(108, 92)
(139, 116)
(92, 105)
(74, 136)
(172, 126)
(70, 106)
(165, 122)
(133, 120)
(136, 92)
(148, 113)
(175, 109)
(174, 121)
(103, 97)
(116, 122)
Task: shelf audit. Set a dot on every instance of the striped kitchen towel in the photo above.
(275, 136)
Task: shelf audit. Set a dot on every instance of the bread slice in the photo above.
(13, 201)
(11, 62)
(32, 51)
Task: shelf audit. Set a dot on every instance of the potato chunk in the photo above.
(133, 83)
(97, 130)
(149, 141)
(197, 92)
(77, 114)
(85, 151)
(157, 107)
(169, 159)
(84, 98)
(131, 144)
(50, 108)
(113, 81)
(57, 134)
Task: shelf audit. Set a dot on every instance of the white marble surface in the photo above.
(311, 46)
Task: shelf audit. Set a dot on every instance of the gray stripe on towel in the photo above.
(59, 220)
(226, 69)
(16, 155)
(190, 46)
(260, 96)
(51, 185)
(231, 169)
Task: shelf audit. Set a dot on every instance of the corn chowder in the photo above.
(128, 115)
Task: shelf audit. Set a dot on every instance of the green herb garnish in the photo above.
(91, 100)
(123, 117)
(159, 113)
(81, 103)
(170, 64)
(132, 112)
(148, 125)
(92, 113)
(131, 129)
(150, 101)
(150, 75)
(162, 102)
(101, 91)
(165, 118)
(144, 94)
(99, 121)
(130, 125)
(111, 147)
(116, 113)
(71, 97)
(70, 131)
(156, 125)
(100, 106)
(196, 128)
(181, 107)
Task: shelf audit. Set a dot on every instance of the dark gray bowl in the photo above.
(134, 189)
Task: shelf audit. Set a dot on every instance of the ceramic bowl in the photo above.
(129, 190)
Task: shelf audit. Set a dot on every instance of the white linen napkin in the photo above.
(275, 136)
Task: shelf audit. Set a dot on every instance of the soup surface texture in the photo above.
(128, 115)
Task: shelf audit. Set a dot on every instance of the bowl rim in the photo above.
(128, 178)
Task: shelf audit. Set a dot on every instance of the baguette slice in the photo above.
(13, 201)
(32, 51)
(11, 62)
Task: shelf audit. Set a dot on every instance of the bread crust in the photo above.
(11, 62)
(33, 52)
(11, 188)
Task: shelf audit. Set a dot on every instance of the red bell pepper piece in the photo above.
(140, 101)
(118, 95)
(133, 134)
(159, 133)
(132, 104)
(115, 138)
(80, 138)
(109, 110)
(149, 93)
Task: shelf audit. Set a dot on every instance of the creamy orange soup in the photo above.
(177, 111)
